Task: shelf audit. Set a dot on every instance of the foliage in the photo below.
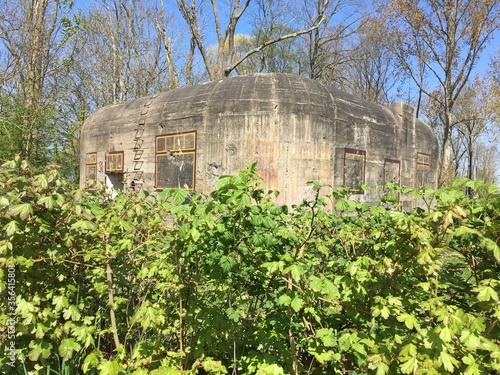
(181, 283)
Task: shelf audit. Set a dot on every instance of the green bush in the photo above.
(181, 283)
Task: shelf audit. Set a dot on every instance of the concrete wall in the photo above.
(295, 128)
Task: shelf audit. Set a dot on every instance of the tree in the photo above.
(371, 71)
(325, 51)
(473, 118)
(473, 129)
(121, 54)
(442, 39)
(224, 61)
(494, 84)
(34, 35)
(270, 19)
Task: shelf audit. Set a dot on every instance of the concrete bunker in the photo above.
(295, 128)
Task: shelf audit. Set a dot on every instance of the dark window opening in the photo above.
(423, 175)
(176, 160)
(354, 169)
(90, 168)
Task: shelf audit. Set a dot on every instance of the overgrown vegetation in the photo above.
(182, 283)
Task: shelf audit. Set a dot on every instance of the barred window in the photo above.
(176, 160)
(423, 175)
(114, 162)
(91, 167)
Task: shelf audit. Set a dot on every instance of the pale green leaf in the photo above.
(91, 361)
(410, 366)
(297, 304)
(284, 300)
(445, 334)
(72, 313)
(23, 210)
(447, 361)
(60, 302)
(68, 347)
(39, 349)
(83, 225)
(326, 336)
(110, 367)
(11, 227)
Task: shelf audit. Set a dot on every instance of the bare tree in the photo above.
(494, 83)
(371, 71)
(446, 37)
(122, 50)
(473, 122)
(325, 49)
(226, 60)
(31, 32)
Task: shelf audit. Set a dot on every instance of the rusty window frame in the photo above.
(423, 163)
(114, 162)
(359, 154)
(183, 143)
(90, 162)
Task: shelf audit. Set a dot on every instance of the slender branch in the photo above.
(109, 279)
(233, 66)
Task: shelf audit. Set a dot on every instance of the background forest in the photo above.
(60, 60)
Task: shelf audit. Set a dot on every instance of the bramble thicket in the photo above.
(230, 283)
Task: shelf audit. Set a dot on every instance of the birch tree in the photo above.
(443, 39)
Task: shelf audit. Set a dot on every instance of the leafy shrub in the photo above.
(181, 283)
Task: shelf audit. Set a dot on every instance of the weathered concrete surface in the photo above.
(295, 128)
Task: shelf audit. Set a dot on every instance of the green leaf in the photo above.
(23, 210)
(326, 336)
(11, 227)
(295, 271)
(266, 369)
(485, 293)
(472, 366)
(179, 196)
(91, 361)
(68, 347)
(492, 246)
(47, 202)
(447, 361)
(297, 304)
(4, 202)
(195, 234)
(110, 367)
(72, 313)
(409, 320)
(60, 302)
(83, 225)
(410, 366)
(445, 334)
(39, 349)
(233, 314)
(284, 300)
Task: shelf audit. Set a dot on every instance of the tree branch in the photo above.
(233, 66)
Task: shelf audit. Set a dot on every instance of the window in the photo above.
(91, 166)
(423, 177)
(114, 162)
(354, 169)
(175, 160)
